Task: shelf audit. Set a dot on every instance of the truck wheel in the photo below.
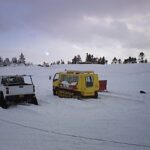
(79, 96)
(54, 92)
(34, 101)
(3, 101)
(96, 95)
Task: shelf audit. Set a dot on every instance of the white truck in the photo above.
(16, 88)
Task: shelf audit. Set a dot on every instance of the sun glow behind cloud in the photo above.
(56, 29)
(46, 53)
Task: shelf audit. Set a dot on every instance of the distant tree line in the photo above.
(58, 62)
(14, 60)
(46, 64)
(90, 59)
(131, 60)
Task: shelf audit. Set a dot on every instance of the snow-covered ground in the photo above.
(118, 120)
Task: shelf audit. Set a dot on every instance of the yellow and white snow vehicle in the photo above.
(76, 84)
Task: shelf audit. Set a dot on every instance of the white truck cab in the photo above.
(16, 88)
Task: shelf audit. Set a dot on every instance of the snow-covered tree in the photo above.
(62, 62)
(114, 61)
(45, 64)
(141, 57)
(78, 59)
(6, 62)
(1, 61)
(89, 57)
(21, 59)
(119, 61)
(14, 60)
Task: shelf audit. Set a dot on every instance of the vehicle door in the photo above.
(89, 85)
(56, 80)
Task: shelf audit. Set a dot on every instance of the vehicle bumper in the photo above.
(19, 97)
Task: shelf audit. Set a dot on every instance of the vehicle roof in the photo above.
(14, 75)
(79, 72)
(76, 72)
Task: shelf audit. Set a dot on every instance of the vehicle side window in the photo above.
(89, 81)
(56, 77)
(19, 80)
(13, 80)
(3, 81)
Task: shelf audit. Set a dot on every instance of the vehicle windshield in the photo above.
(69, 79)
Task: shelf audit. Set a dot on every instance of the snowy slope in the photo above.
(118, 119)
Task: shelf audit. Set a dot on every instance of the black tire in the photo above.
(79, 96)
(3, 103)
(34, 101)
(96, 95)
(60, 94)
(54, 92)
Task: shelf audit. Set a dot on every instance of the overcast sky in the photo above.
(49, 30)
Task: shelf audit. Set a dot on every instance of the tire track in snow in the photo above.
(75, 136)
(22, 125)
(121, 96)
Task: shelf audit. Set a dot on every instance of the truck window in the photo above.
(74, 79)
(13, 80)
(27, 80)
(19, 80)
(56, 77)
(4, 81)
(89, 81)
(70, 79)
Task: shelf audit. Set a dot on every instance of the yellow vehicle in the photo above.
(76, 84)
